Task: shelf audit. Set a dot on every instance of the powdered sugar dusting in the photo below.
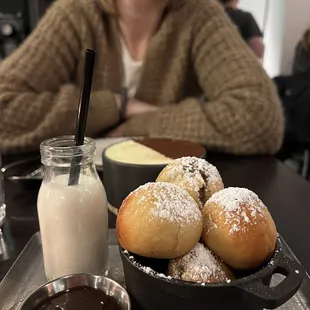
(194, 171)
(171, 203)
(146, 269)
(240, 206)
(199, 265)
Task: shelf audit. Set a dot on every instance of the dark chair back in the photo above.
(36, 9)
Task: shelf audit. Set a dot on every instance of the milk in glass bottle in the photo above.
(73, 219)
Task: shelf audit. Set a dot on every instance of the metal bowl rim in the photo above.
(73, 276)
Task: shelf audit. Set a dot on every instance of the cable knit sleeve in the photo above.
(243, 115)
(38, 94)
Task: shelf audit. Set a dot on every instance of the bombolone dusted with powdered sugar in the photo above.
(201, 266)
(239, 228)
(197, 176)
(159, 220)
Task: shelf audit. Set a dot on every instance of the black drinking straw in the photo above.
(81, 121)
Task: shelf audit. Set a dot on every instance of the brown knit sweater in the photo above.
(196, 50)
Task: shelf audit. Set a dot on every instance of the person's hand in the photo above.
(116, 132)
(135, 107)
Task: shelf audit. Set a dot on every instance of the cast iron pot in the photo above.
(120, 179)
(151, 291)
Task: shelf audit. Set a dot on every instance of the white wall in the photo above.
(274, 36)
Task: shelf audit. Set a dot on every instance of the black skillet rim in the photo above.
(265, 271)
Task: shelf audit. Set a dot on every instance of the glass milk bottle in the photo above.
(2, 197)
(73, 219)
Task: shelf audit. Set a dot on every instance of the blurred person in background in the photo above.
(294, 92)
(246, 25)
(166, 53)
(301, 62)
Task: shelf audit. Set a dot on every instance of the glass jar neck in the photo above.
(60, 152)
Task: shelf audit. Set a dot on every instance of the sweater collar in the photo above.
(109, 7)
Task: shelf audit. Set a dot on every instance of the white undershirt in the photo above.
(132, 71)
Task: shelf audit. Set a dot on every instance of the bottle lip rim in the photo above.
(64, 146)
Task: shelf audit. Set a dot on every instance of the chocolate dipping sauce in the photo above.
(81, 298)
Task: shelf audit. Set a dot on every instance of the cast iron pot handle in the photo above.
(274, 297)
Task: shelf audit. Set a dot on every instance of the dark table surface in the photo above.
(285, 193)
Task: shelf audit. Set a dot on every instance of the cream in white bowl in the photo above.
(132, 152)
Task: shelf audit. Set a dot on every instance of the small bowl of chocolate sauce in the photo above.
(79, 292)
